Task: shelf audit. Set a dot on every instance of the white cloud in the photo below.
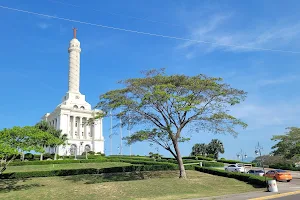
(219, 35)
(263, 115)
(43, 25)
(276, 81)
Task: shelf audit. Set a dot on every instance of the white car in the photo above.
(235, 168)
(256, 172)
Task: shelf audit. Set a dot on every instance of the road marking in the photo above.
(277, 195)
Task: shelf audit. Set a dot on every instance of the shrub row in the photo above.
(204, 163)
(198, 158)
(251, 179)
(286, 166)
(47, 162)
(69, 172)
(233, 161)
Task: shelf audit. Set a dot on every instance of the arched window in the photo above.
(87, 148)
(75, 107)
(82, 108)
(73, 149)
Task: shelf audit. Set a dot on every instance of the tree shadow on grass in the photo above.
(8, 185)
(107, 177)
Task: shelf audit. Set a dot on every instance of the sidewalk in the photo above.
(250, 196)
(284, 189)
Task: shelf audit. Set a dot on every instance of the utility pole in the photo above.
(110, 136)
(121, 135)
(258, 149)
(129, 134)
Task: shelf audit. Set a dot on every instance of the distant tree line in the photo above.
(15, 141)
(211, 149)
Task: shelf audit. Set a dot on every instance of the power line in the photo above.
(146, 33)
(111, 13)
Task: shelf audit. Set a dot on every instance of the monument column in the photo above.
(74, 64)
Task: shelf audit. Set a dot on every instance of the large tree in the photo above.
(199, 149)
(215, 147)
(162, 106)
(288, 144)
(15, 140)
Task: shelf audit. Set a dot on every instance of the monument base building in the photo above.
(72, 114)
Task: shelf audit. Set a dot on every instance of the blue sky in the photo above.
(34, 58)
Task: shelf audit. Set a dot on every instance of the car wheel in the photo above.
(288, 180)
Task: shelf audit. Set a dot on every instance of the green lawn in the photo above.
(145, 185)
(63, 166)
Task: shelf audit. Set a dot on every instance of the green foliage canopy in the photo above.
(288, 145)
(161, 106)
(199, 149)
(27, 138)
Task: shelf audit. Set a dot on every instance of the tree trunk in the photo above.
(6, 164)
(182, 173)
(55, 155)
(23, 156)
(41, 158)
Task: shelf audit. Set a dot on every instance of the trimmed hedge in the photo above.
(199, 158)
(234, 161)
(47, 162)
(204, 163)
(68, 172)
(251, 179)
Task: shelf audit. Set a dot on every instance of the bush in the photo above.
(47, 162)
(197, 162)
(198, 158)
(251, 179)
(68, 172)
(233, 161)
(48, 155)
(285, 166)
(29, 156)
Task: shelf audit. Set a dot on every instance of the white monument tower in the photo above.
(72, 114)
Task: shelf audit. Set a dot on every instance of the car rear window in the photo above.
(279, 170)
(259, 171)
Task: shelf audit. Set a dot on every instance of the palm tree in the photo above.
(199, 149)
(215, 147)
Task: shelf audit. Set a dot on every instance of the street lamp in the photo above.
(241, 155)
(258, 149)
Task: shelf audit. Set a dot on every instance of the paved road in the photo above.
(292, 197)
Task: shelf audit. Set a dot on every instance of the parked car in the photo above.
(235, 168)
(256, 172)
(279, 175)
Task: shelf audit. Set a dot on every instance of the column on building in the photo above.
(73, 126)
(79, 127)
(58, 124)
(84, 127)
(88, 130)
(97, 130)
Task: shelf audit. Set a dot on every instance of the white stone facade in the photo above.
(72, 114)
